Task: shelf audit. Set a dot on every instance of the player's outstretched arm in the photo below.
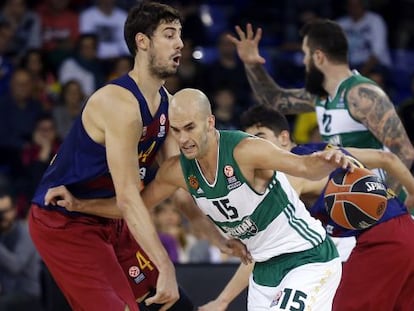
(374, 158)
(234, 287)
(256, 153)
(372, 107)
(267, 91)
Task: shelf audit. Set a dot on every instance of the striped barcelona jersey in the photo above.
(271, 223)
(394, 206)
(81, 163)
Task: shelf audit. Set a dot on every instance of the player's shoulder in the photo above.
(365, 89)
(112, 98)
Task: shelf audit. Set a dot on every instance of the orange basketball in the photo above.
(355, 200)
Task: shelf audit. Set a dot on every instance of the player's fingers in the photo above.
(249, 31)
(258, 35)
(52, 194)
(240, 32)
(232, 39)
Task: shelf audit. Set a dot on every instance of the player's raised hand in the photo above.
(235, 247)
(167, 289)
(62, 197)
(247, 45)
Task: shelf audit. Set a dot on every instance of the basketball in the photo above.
(355, 200)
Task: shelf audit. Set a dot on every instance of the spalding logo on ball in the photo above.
(355, 200)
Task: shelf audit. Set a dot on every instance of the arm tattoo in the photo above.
(267, 91)
(374, 109)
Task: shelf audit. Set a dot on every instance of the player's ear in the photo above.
(142, 41)
(284, 138)
(211, 121)
(319, 57)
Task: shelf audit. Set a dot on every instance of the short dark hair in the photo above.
(145, 18)
(327, 36)
(264, 115)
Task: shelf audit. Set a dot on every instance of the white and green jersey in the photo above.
(336, 124)
(271, 223)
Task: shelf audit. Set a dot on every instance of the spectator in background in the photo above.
(18, 111)
(69, 107)
(367, 33)
(20, 288)
(25, 25)
(37, 155)
(45, 86)
(227, 70)
(6, 66)
(406, 112)
(225, 109)
(122, 65)
(169, 221)
(190, 71)
(106, 21)
(84, 66)
(59, 29)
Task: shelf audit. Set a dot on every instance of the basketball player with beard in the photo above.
(352, 111)
(121, 132)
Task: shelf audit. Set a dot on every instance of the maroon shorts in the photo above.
(379, 274)
(95, 261)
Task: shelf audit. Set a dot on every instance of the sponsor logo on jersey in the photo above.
(192, 180)
(200, 191)
(161, 133)
(245, 229)
(144, 131)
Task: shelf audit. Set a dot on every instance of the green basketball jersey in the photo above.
(271, 223)
(336, 124)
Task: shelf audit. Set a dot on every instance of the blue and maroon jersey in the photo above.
(81, 165)
(318, 210)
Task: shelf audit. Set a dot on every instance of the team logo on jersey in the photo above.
(228, 171)
(275, 300)
(134, 271)
(136, 274)
(192, 180)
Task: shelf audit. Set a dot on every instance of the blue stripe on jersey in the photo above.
(394, 206)
(81, 163)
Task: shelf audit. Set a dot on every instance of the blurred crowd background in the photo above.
(55, 53)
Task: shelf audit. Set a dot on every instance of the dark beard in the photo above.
(160, 72)
(314, 81)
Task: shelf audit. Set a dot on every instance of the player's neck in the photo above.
(208, 162)
(335, 75)
(145, 79)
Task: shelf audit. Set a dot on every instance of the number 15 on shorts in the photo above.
(289, 299)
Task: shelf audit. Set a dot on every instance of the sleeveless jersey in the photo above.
(81, 165)
(394, 206)
(271, 223)
(336, 124)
